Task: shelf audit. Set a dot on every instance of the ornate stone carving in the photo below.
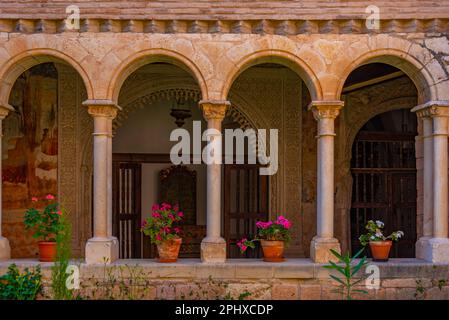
(214, 109)
(432, 109)
(325, 109)
(109, 111)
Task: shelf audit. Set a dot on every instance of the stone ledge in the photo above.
(243, 269)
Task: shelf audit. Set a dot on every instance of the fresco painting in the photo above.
(29, 151)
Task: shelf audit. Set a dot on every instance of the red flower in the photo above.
(59, 212)
(50, 197)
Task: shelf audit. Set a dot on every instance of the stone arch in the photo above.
(343, 177)
(139, 59)
(423, 80)
(18, 64)
(284, 58)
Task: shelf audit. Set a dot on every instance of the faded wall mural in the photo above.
(29, 151)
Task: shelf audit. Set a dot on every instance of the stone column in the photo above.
(102, 247)
(436, 248)
(213, 247)
(427, 227)
(325, 113)
(5, 249)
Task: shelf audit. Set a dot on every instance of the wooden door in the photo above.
(127, 208)
(245, 203)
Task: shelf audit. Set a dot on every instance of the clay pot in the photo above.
(47, 251)
(380, 250)
(169, 250)
(273, 251)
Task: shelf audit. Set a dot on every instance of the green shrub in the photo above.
(20, 286)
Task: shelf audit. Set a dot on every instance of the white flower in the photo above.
(400, 234)
(379, 234)
(379, 224)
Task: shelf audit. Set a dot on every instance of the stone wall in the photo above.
(296, 279)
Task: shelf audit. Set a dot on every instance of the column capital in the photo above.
(214, 109)
(5, 109)
(102, 108)
(325, 108)
(432, 109)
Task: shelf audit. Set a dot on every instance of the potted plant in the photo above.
(273, 235)
(162, 230)
(46, 224)
(380, 245)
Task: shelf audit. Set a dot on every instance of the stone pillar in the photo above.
(5, 249)
(436, 248)
(427, 227)
(325, 113)
(102, 247)
(213, 247)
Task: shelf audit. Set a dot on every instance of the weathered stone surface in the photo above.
(284, 292)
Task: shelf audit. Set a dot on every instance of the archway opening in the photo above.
(272, 96)
(382, 133)
(156, 99)
(40, 156)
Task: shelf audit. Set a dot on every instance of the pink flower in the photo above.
(155, 215)
(171, 217)
(165, 206)
(158, 237)
(50, 197)
(34, 199)
(59, 212)
(241, 244)
(155, 207)
(283, 222)
(263, 225)
(177, 230)
(180, 214)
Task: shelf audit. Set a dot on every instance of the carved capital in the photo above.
(5, 109)
(102, 108)
(432, 109)
(214, 109)
(325, 109)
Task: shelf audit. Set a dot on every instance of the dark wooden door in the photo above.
(384, 188)
(127, 208)
(245, 203)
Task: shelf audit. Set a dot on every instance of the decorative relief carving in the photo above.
(214, 109)
(109, 111)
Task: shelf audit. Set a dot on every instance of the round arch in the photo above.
(139, 59)
(413, 68)
(289, 60)
(18, 64)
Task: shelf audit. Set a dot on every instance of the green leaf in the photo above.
(338, 279)
(335, 253)
(358, 266)
(358, 253)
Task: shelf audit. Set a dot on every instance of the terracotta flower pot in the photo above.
(47, 251)
(380, 250)
(273, 251)
(169, 250)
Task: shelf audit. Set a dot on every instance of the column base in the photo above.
(420, 247)
(213, 250)
(320, 249)
(102, 250)
(5, 249)
(435, 250)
